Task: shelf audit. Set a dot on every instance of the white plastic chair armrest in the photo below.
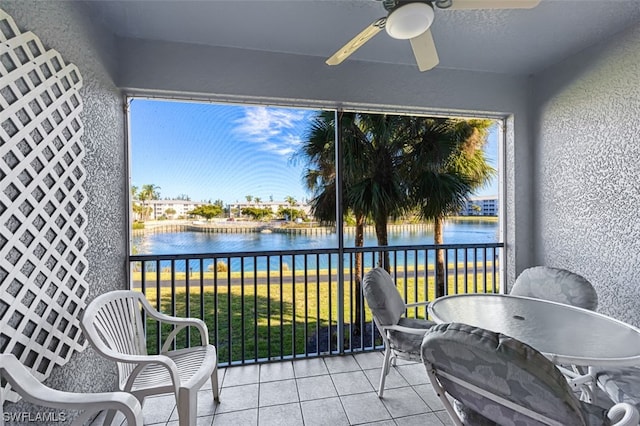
(623, 414)
(403, 329)
(144, 360)
(181, 322)
(31, 390)
(416, 304)
(140, 360)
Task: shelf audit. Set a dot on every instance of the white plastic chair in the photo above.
(90, 404)
(113, 324)
(401, 336)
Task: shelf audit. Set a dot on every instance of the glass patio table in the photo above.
(565, 334)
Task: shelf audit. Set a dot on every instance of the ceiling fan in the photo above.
(412, 19)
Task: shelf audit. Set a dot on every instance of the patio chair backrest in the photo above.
(475, 366)
(382, 296)
(557, 285)
(116, 325)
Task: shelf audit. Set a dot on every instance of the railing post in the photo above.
(339, 230)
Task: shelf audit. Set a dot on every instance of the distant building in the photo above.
(159, 208)
(481, 206)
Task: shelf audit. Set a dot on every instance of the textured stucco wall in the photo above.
(587, 135)
(63, 26)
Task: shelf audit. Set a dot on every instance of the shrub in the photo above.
(220, 266)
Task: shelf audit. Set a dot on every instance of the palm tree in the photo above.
(148, 192)
(137, 210)
(320, 178)
(446, 164)
(391, 163)
(372, 184)
(374, 169)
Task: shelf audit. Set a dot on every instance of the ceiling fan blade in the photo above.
(424, 49)
(356, 42)
(493, 4)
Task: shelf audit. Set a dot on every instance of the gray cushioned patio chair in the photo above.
(502, 381)
(562, 286)
(87, 404)
(402, 337)
(557, 285)
(621, 384)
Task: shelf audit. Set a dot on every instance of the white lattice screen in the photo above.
(42, 218)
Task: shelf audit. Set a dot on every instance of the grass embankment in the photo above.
(475, 219)
(281, 312)
(167, 275)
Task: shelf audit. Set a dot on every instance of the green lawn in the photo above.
(152, 276)
(281, 312)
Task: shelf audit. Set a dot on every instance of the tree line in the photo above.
(214, 209)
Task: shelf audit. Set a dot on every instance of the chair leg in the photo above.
(214, 385)
(440, 392)
(385, 370)
(187, 407)
(111, 414)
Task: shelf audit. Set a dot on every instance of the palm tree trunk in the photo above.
(359, 242)
(383, 240)
(438, 238)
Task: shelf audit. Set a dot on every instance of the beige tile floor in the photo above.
(333, 391)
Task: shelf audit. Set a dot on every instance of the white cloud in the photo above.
(276, 130)
(293, 140)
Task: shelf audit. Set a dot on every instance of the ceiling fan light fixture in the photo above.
(409, 21)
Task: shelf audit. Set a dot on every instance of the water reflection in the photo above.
(455, 232)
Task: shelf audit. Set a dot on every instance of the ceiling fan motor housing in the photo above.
(409, 19)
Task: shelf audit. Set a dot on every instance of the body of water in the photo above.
(455, 232)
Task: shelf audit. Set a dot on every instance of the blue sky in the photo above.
(215, 151)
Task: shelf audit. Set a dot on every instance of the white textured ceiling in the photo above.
(501, 41)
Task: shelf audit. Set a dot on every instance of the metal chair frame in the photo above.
(391, 355)
(385, 300)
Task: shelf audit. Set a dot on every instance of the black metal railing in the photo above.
(275, 305)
